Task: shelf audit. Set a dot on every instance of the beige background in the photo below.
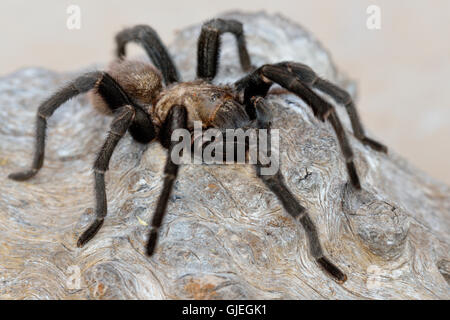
(402, 70)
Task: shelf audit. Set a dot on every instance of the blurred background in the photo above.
(402, 69)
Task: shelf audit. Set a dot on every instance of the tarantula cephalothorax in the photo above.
(132, 91)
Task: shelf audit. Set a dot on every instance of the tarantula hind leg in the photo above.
(176, 119)
(122, 121)
(150, 41)
(80, 85)
(208, 49)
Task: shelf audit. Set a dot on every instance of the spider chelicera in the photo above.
(133, 93)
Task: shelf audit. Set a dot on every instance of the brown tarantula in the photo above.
(133, 92)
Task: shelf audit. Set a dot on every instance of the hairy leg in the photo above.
(308, 77)
(276, 184)
(258, 83)
(149, 39)
(208, 49)
(122, 120)
(80, 85)
(342, 96)
(176, 119)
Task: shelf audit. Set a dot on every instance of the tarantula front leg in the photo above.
(308, 77)
(149, 39)
(209, 46)
(80, 85)
(176, 119)
(122, 120)
(258, 83)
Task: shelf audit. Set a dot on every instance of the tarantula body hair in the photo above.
(133, 93)
(139, 79)
(213, 106)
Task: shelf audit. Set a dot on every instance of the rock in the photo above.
(225, 235)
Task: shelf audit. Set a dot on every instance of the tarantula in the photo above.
(134, 94)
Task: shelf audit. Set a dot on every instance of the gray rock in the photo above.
(225, 235)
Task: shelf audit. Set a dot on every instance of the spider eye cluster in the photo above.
(214, 96)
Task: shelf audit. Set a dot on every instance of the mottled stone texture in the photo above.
(225, 235)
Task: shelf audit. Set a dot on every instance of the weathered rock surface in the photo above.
(225, 235)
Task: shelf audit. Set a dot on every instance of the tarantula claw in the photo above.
(353, 175)
(89, 233)
(374, 145)
(332, 270)
(151, 244)
(23, 175)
